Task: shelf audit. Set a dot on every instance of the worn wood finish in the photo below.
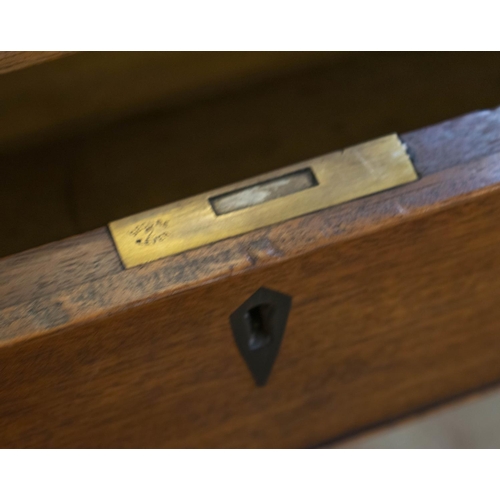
(12, 61)
(394, 308)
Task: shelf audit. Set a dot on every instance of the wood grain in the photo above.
(12, 61)
(394, 309)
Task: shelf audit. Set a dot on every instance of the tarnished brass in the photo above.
(269, 199)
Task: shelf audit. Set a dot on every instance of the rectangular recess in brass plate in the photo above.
(263, 191)
(269, 199)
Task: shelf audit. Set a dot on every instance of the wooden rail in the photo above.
(394, 309)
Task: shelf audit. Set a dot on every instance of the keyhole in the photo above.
(259, 325)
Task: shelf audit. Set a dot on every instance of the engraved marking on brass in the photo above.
(269, 199)
(150, 233)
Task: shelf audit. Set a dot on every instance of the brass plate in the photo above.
(269, 199)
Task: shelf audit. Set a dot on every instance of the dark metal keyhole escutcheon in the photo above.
(258, 326)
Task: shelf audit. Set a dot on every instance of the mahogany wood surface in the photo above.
(394, 309)
(12, 61)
